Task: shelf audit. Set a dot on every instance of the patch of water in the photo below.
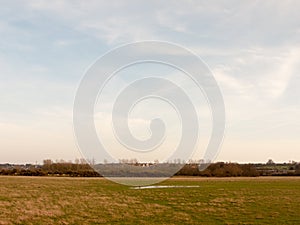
(165, 186)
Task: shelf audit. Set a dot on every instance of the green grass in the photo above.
(46, 200)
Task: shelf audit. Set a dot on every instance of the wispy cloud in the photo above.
(252, 48)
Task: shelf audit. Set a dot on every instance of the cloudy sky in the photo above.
(252, 48)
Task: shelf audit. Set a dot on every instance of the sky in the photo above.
(251, 47)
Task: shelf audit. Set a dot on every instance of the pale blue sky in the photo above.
(252, 47)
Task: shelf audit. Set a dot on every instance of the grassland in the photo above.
(48, 200)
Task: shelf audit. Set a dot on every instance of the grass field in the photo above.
(48, 200)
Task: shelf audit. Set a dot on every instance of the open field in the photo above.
(49, 200)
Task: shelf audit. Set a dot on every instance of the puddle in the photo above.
(165, 186)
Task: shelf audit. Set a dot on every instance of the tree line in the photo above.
(81, 168)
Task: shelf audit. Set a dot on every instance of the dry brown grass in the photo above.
(47, 200)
